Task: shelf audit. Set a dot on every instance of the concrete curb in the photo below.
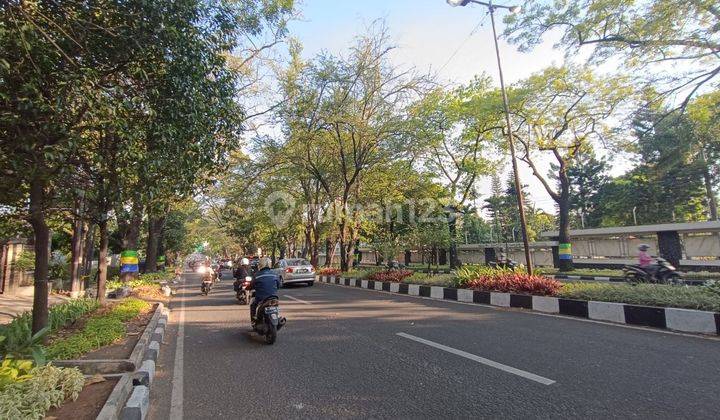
(116, 401)
(130, 399)
(683, 320)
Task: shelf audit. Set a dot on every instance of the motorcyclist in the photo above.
(645, 260)
(241, 272)
(265, 283)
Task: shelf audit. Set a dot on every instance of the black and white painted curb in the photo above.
(689, 282)
(684, 320)
(130, 399)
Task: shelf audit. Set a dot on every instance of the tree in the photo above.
(350, 115)
(704, 115)
(672, 42)
(560, 112)
(587, 175)
(456, 129)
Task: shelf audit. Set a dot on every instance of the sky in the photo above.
(430, 36)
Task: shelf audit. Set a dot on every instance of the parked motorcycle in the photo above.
(267, 320)
(243, 291)
(665, 273)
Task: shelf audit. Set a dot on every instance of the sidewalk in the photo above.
(10, 306)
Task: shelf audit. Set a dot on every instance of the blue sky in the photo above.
(431, 36)
(427, 33)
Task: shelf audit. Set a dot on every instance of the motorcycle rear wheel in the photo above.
(271, 334)
(632, 278)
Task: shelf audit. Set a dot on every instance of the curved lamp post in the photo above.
(521, 208)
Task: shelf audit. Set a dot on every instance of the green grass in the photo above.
(690, 297)
(100, 330)
(608, 272)
(148, 279)
(18, 333)
(444, 280)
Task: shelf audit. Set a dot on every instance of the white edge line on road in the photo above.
(176, 398)
(484, 361)
(297, 300)
(536, 313)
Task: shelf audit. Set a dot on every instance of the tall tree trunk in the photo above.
(155, 225)
(452, 229)
(76, 250)
(131, 234)
(41, 234)
(102, 258)
(710, 194)
(89, 249)
(565, 247)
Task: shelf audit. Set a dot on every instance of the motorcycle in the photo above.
(205, 286)
(665, 273)
(267, 320)
(243, 291)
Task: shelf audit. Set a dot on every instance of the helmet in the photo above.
(643, 247)
(264, 262)
(244, 261)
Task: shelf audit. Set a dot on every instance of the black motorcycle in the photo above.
(267, 320)
(205, 286)
(242, 290)
(663, 273)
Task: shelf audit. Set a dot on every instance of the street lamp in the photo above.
(521, 208)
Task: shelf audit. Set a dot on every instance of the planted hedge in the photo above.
(695, 297)
(17, 339)
(100, 330)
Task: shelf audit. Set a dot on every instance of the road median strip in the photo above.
(682, 320)
(130, 397)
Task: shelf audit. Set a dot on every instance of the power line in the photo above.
(462, 44)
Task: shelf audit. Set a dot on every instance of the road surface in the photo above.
(353, 353)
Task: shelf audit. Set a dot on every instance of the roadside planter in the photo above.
(684, 320)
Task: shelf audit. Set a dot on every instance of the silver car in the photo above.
(295, 270)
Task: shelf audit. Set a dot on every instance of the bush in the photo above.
(515, 282)
(444, 280)
(471, 272)
(14, 371)
(390, 275)
(100, 330)
(328, 271)
(688, 297)
(47, 387)
(18, 340)
(148, 279)
(25, 261)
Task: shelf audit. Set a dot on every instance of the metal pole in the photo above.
(511, 142)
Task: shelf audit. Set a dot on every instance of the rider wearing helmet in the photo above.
(265, 284)
(646, 260)
(241, 272)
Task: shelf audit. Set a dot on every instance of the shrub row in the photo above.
(100, 330)
(688, 297)
(18, 340)
(148, 279)
(390, 275)
(515, 282)
(328, 271)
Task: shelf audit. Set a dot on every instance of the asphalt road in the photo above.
(341, 355)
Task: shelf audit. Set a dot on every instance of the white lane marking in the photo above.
(298, 300)
(176, 398)
(484, 361)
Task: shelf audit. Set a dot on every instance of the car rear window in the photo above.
(298, 262)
